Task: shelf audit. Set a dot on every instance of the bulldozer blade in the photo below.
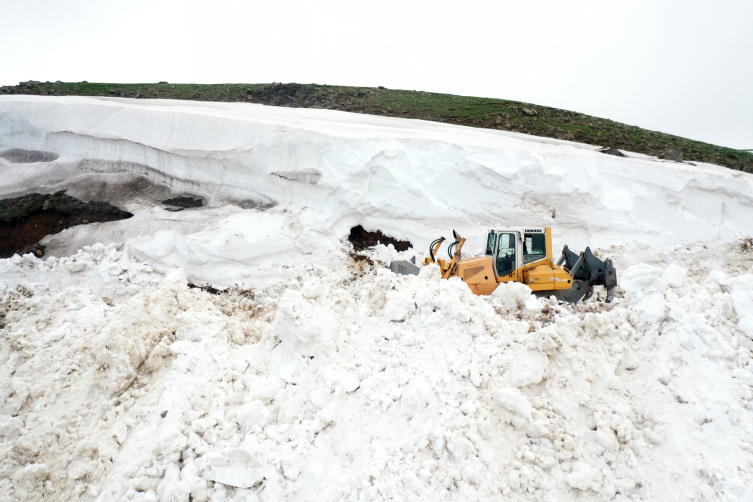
(581, 290)
(608, 279)
(404, 267)
(591, 270)
(577, 292)
(610, 275)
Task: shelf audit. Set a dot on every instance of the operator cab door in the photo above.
(506, 256)
(534, 246)
(538, 273)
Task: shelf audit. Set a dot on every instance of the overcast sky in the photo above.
(678, 66)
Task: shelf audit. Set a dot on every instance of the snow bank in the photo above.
(316, 391)
(300, 178)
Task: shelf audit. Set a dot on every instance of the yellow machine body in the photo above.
(526, 257)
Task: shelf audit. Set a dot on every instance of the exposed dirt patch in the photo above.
(746, 246)
(208, 288)
(25, 220)
(360, 259)
(362, 239)
(184, 201)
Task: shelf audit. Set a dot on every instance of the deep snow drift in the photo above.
(321, 378)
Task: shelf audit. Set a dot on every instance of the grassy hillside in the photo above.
(475, 112)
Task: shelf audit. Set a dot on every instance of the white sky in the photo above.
(678, 66)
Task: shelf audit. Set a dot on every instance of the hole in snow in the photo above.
(362, 239)
(18, 156)
(24, 221)
(184, 201)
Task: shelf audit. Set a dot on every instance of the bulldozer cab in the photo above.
(513, 248)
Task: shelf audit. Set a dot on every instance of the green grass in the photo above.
(469, 111)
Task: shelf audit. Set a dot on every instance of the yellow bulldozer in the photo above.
(525, 255)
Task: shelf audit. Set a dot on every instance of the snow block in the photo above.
(675, 275)
(303, 327)
(742, 297)
(584, 477)
(514, 295)
(516, 402)
(233, 467)
(643, 278)
(339, 377)
(252, 414)
(10, 427)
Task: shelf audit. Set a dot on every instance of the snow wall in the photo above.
(288, 183)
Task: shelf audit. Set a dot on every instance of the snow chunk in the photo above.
(290, 365)
(30, 477)
(302, 327)
(430, 273)
(513, 295)
(414, 398)
(642, 278)
(539, 428)
(607, 439)
(745, 324)
(652, 308)
(398, 307)
(528, 369)
(338, 377)
(10, 427)
(253, 414)
(233, 467)
(675, 275)
(120, 431)
(245, 495)
(742, 297)
(461, 448)
(584, 477)
(516, 402)
(720, 278)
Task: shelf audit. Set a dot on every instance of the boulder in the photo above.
(671, 154)
(612, 151)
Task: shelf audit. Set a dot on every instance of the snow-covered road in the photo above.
(317, 378)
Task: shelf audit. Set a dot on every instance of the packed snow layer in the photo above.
(284, 185)
(376, 387)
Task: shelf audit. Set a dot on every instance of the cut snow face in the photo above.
(294, 373)
(316, 174)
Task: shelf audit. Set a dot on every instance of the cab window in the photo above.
(534, 247)
(505, 259)
(490, 244)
